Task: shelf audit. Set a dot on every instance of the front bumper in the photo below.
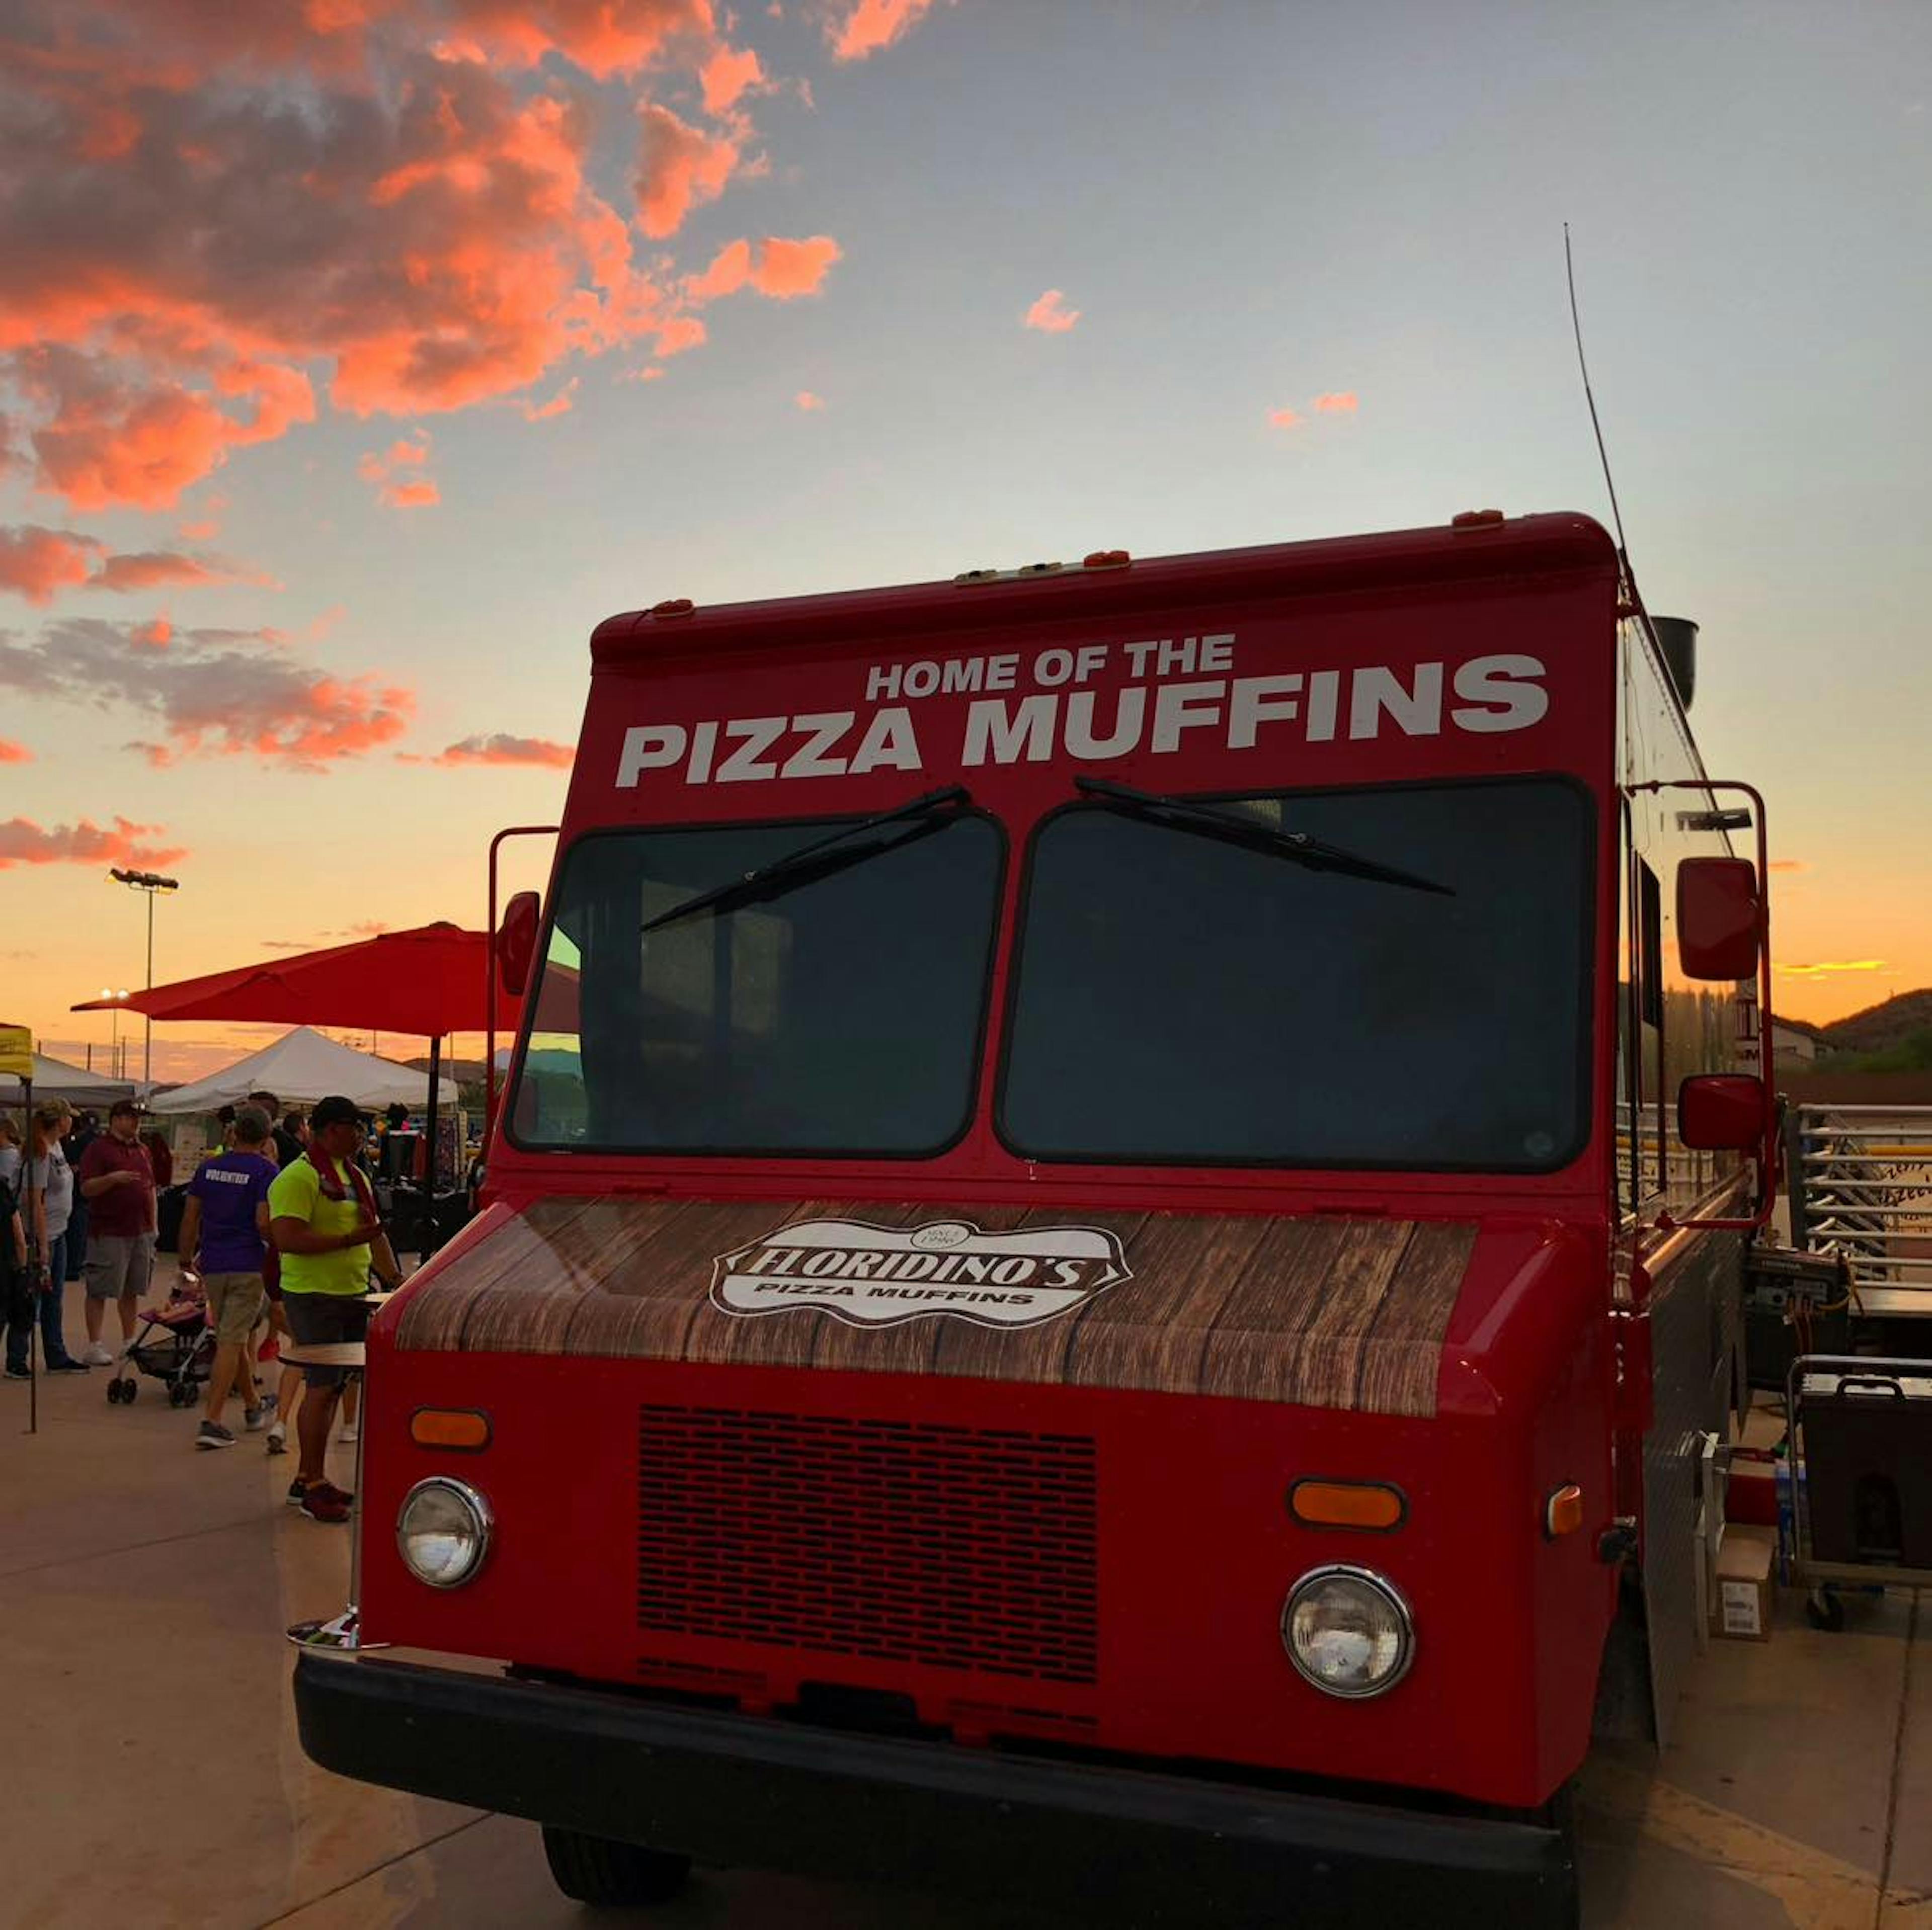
(735, 1790)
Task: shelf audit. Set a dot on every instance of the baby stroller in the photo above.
(175, 1346)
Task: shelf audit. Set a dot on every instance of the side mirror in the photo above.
(1721, 1112)
(1718, 916)
(516, 942)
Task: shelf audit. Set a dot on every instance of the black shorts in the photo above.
(320, 1319)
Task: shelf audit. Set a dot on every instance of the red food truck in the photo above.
(1111, 1248)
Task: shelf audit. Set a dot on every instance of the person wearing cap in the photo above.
(117, 1180)
(323, 1221)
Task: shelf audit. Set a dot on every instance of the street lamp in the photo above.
(114, 1029)
(151, 882)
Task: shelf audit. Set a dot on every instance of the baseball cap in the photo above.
(334, 1110)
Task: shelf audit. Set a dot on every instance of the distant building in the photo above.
(1795, 1043)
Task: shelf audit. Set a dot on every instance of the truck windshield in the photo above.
(1182, 999)
(843, 1016)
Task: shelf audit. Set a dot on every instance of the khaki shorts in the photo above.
(235, 1304)
(119, 1265)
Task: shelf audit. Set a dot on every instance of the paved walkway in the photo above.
(154, 1778)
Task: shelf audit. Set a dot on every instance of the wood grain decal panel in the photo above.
(1319, 1311)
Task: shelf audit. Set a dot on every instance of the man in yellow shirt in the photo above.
(322, 1219)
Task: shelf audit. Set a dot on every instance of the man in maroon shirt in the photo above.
(117, 1180)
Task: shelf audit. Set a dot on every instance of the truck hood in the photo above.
(1320, 1310)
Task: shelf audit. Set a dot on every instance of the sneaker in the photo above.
(298, 1489)
(320, 1503)
(334, 1493)
(253, 1419)
(98, 1356)
(349, 1434)
(278, 1439)
(19, 1373)
(67, 1365)
(213, 1434)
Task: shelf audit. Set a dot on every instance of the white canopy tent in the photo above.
(55, 1079)
(302, 1067)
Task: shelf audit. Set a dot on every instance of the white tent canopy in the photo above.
(301, 1067)
(55, 1079)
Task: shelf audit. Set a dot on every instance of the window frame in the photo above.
(804, 826)
(1584, 1128)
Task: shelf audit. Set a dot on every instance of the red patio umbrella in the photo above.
(431, 981)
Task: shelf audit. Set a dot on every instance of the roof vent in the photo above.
(1677, 639)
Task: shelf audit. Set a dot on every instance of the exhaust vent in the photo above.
(1677, 638)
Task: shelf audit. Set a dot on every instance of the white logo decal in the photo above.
(878, 1276)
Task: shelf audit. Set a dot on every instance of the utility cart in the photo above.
(1860, 1456)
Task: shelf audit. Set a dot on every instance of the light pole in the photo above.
(114, 1029)
(151, 883)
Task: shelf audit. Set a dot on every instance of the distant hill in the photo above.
(465, 1071)
(1881, 1028)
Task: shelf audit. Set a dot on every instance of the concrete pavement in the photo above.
(153, 1776)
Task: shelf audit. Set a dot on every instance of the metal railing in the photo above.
(1860, 1187)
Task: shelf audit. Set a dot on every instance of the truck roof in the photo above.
(1482, 544)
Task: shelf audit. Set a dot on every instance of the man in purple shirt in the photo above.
(223, 1230)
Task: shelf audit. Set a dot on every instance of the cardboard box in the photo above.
(1741, 1606)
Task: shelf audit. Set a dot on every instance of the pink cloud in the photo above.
(778, 268)
(1285, 419)
(153, 569)
(11, 753)
(726, 75)
(500, 748)
(1051, 314)
(731, 268)
(679, 168)
(1341, 401)
(872, 24)
(560, 404)
(681, 333)
(604, 38)
(208, 525)
(808, 401)
(385, 208)
(788, 269)
(37, 563)
(395, 490)
(210, 692)
(24, 842)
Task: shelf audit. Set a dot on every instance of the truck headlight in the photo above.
(1348, 1630)
(442, 1531)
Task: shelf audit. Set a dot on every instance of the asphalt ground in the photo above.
(152, 1777)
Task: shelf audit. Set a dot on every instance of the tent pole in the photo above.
(34, 1304)
(429, 1151)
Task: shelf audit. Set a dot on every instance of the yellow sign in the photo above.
(16, 1051)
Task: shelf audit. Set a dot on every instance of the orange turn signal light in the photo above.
(466, 1429)
(1372, 1505)
(1563, 1512)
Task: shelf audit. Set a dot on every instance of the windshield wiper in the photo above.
(818, 859)
(1206, 820)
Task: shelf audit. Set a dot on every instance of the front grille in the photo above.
(962, 1547)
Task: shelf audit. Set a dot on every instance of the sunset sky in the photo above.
(356, 356)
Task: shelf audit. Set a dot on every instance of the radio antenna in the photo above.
(1603, 454)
